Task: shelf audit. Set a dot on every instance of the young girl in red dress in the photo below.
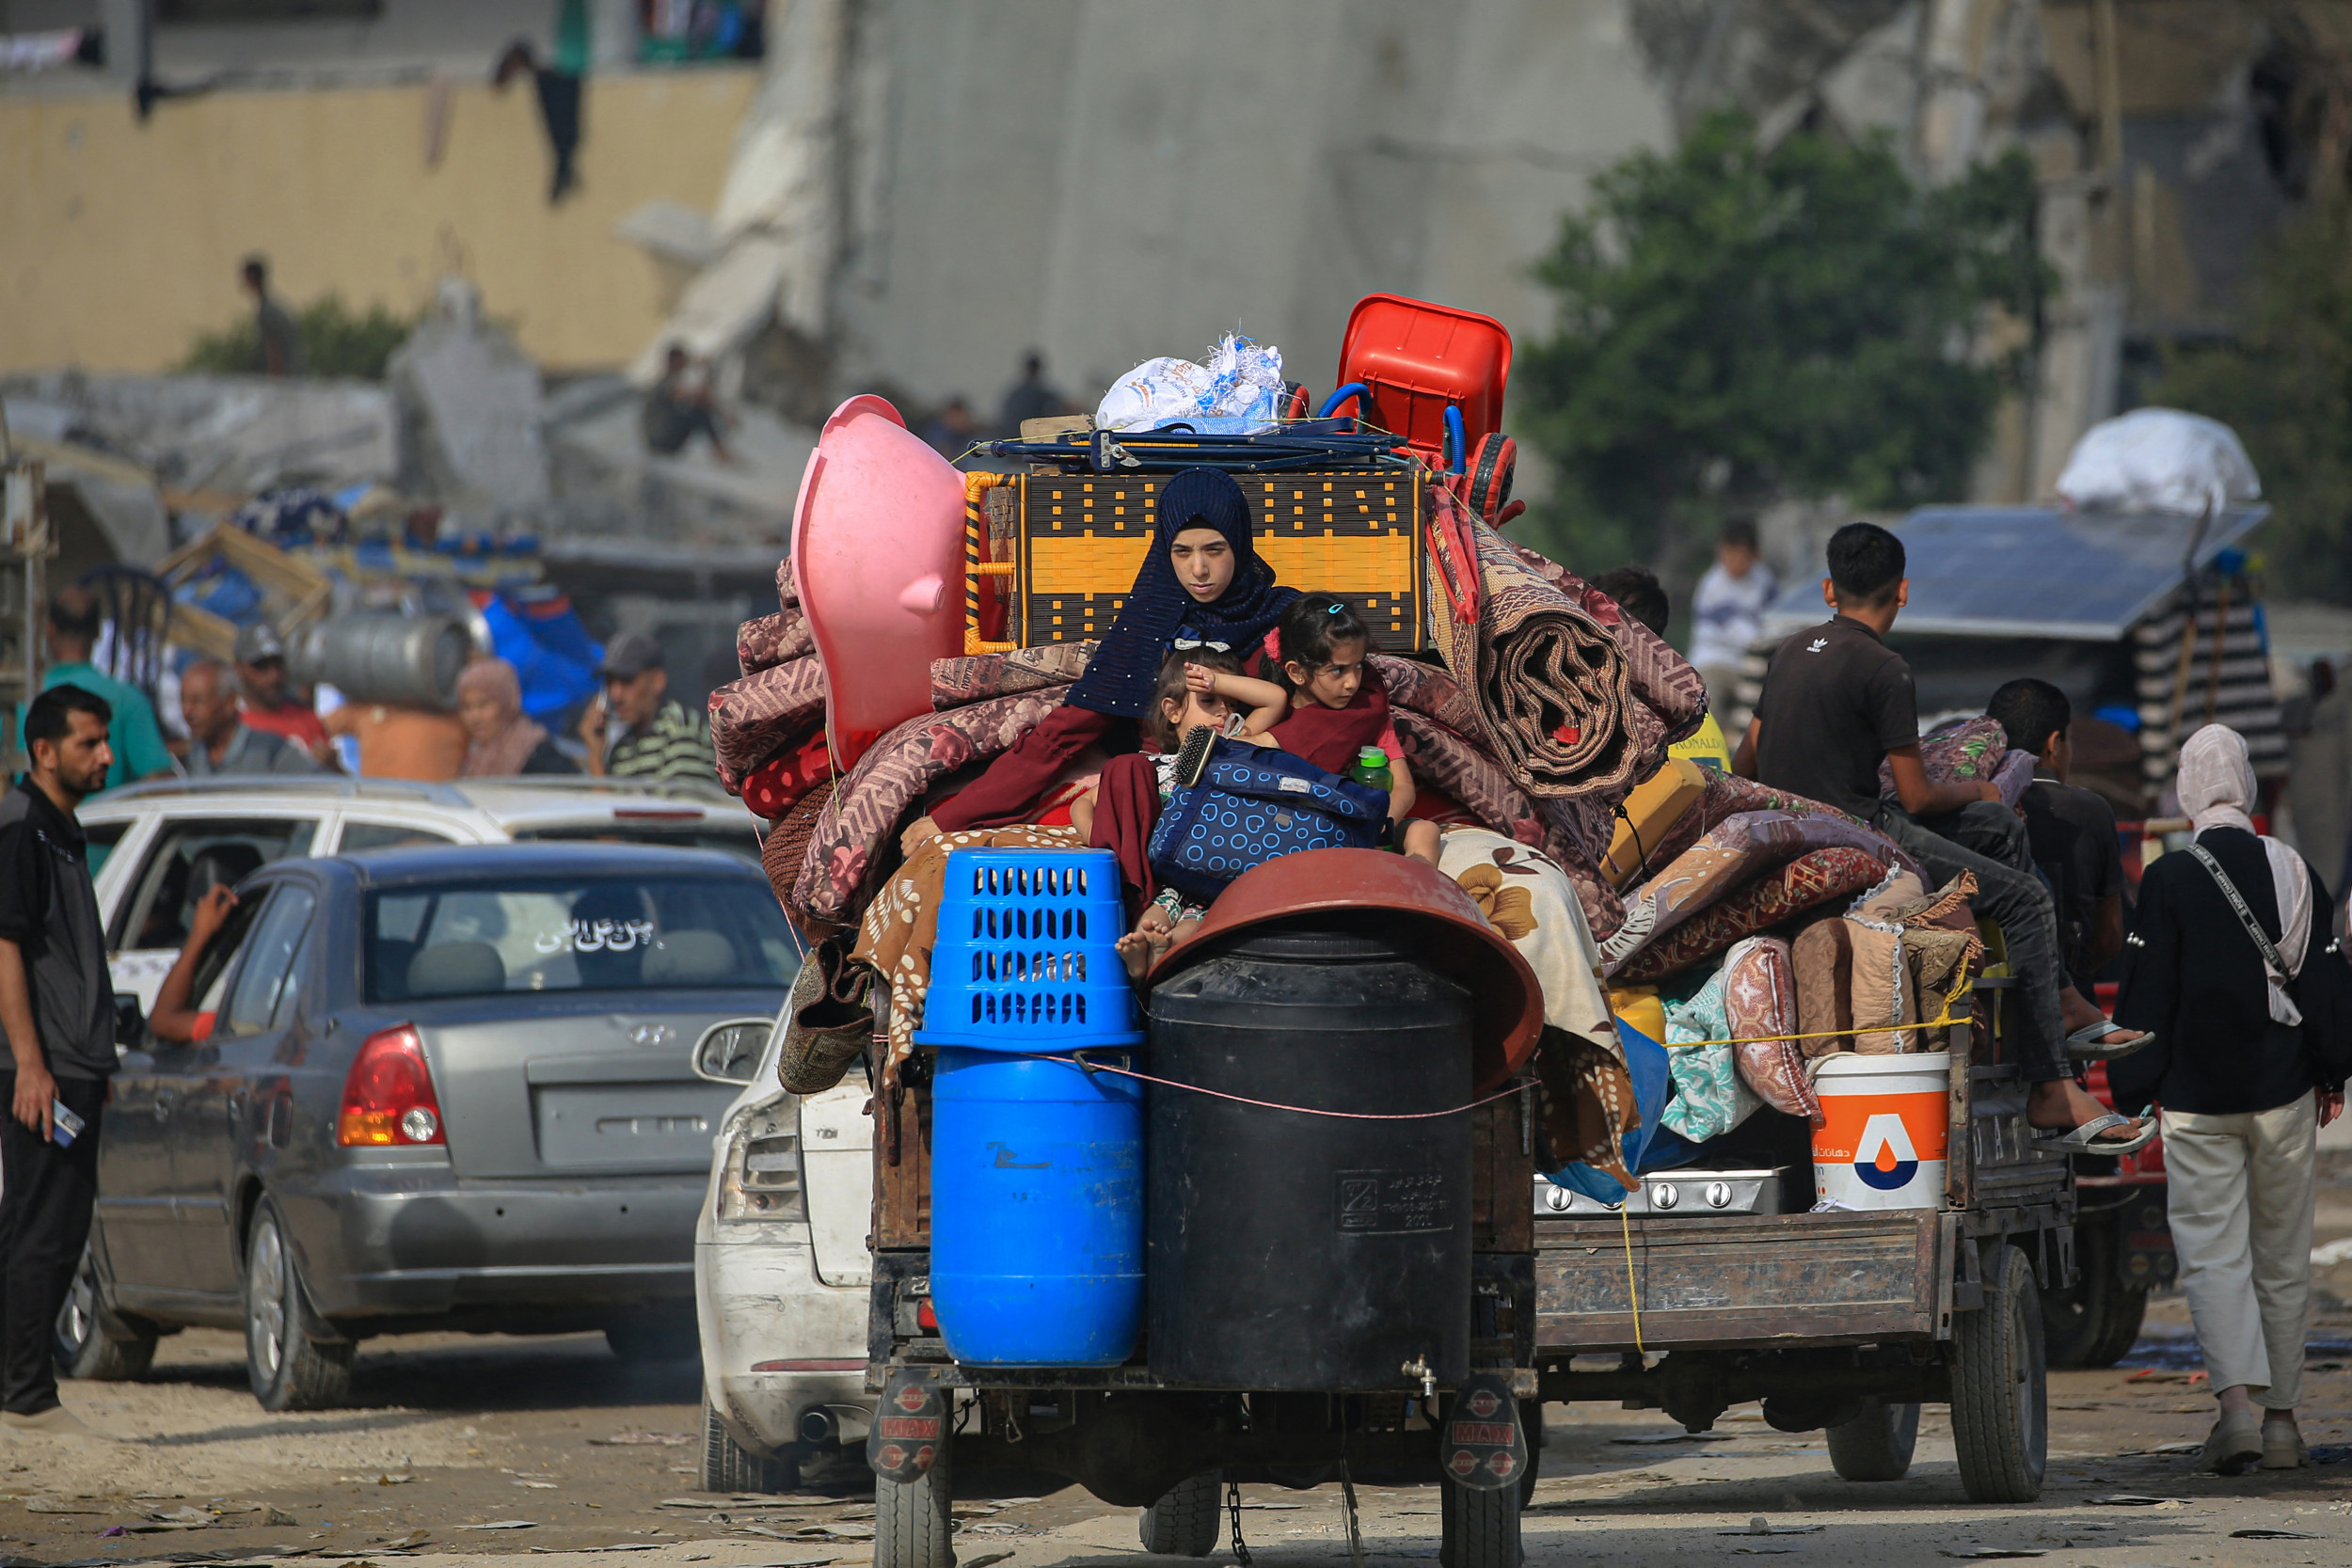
(1337, 707)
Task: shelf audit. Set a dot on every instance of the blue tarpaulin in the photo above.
(540, 635)
(1646, 1060)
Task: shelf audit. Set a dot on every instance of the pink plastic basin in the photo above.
(878, 558)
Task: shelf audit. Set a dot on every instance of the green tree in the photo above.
(2284, 384)
(337, 340)
(1739, 326)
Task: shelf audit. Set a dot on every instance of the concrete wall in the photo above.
(119, 241)
(1107, 182)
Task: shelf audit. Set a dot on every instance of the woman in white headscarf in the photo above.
(2221, 934)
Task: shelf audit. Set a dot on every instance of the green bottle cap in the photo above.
(1371, 756)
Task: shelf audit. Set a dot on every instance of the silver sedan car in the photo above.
(442, 1089)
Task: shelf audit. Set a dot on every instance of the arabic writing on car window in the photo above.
(596, 936)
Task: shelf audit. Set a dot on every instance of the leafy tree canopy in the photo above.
(1739, 326)
(2284, 384)
(337, 340)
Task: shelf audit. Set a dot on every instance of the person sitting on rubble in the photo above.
(1836, 702)
(677, 410)
(1337, 708)
(1200, 688)
(1201, 585)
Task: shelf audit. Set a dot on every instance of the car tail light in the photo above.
(760, 1179)
(387, 1095)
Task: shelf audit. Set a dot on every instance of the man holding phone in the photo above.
(56, 1012)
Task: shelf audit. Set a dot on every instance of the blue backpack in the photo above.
(1253, 804)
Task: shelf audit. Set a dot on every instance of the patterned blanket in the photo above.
(754, 718)
(856, 824)
(768, 640)
(1527, 895)
(1811, 879)
(1736, 850)
(895, 939)
(978, 677)
(1550, 686)
(1972, 751)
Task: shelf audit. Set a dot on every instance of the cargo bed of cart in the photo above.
(1847, 1320)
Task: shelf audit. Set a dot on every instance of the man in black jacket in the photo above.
(56, 1009)
(2243, 1099)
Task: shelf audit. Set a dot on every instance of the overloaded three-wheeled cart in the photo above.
(1309, 1263)
(1291, 1230)
(1706, 1292)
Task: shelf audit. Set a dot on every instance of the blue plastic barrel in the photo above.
(1037, 1210)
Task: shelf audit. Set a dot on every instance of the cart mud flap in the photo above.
(1485, 1449)
(910, 1424)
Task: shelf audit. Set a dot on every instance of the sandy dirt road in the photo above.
(594, 1458)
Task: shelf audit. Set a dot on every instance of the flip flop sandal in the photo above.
(2088, 1043)
(2085, 1139)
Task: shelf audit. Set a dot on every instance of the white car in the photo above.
(782, 1269)
(156, 847)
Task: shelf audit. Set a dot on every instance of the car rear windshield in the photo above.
(575, 934)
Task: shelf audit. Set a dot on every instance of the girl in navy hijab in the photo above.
(1201, 583)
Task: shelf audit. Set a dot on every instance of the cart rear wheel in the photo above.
(2094, 1322)
(2001, 1401)
(1877, 1443)
(1478, 1529)
(913, 1524)
(1185, 1522)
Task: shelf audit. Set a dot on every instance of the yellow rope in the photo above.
(1948, 1020)
(1631, 1294)
(1625, 1222)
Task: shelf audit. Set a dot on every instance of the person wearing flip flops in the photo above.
(2244, 1090)
(1836, 702)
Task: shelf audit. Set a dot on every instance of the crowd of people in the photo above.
(245, 716)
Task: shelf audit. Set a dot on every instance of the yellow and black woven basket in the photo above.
(1069, 545)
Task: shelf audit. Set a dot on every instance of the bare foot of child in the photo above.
(1140, 948)
(1136, 950)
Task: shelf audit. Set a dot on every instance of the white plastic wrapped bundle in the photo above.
(2159, 460)
(1238, 393)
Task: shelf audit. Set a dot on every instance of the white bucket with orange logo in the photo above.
(1881, 1145)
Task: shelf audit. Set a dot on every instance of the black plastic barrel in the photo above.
(1289, 1251)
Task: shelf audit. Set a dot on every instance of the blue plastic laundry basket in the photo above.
(1026, 955)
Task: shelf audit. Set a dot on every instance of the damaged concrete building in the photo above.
(919, 193)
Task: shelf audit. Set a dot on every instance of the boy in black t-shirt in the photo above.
(2071, 831)
(1836, 702)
